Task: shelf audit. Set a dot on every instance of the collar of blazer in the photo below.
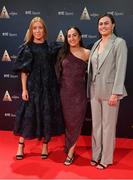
(108, 47)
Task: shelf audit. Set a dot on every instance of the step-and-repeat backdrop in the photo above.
(59, 15)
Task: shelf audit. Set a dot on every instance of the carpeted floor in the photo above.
(33, 167)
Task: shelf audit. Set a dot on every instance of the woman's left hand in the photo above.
(113, 100)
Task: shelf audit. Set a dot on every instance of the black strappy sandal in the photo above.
(69, 160)
(44, 156)
(20, 156)
(93, 163)
(101, 166)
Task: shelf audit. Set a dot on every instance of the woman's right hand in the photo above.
(25, 95)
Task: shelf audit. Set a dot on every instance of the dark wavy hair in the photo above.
(65, 49)
(110, 16)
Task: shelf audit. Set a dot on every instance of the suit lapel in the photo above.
(94, 47)
(92, 51)
(107, 49)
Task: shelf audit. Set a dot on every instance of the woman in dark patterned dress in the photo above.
(72, 64)
(39, 114)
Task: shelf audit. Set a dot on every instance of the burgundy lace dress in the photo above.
(73, 97)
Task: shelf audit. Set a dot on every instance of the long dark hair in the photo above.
(110, 16)
(66, 47)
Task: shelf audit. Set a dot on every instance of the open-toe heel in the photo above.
(69, 160)
(102, 166)
(20, 156)
(44, 156)
(93, 163)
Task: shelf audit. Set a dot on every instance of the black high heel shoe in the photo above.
(69, 160)
(44, 156)
(20, 156)
(94, 163)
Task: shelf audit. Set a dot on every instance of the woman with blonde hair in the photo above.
(39, 113)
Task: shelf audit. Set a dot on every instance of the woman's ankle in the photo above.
(45, 148)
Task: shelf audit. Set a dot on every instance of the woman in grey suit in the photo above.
(106, 75)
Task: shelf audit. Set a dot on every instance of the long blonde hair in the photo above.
(29, 34)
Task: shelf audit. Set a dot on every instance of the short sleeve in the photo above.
(23, 62)
(54, 49)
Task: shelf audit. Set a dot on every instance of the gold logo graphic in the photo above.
(4, 13)
(60, 37)
(85, 15)
(6, 56)
(7, 97)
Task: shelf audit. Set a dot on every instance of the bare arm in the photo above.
(25, 95)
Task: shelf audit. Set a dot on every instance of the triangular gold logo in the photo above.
(60, 37)
(4, 13)
(7, 97)
(85, 15)
(6, 56)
